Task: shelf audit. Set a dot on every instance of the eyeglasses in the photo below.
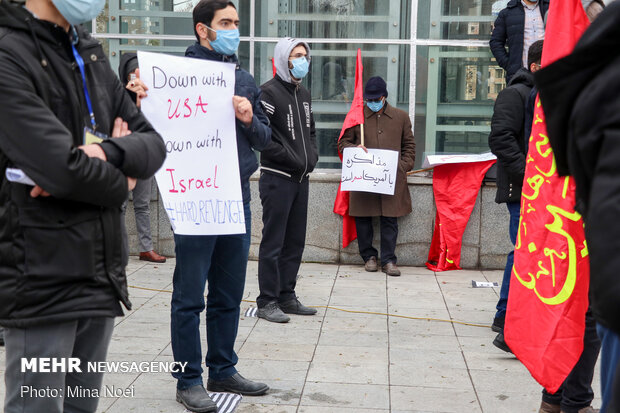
(298, 55)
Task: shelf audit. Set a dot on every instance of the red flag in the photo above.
(354, 117)
(455, 187)
(548, 295)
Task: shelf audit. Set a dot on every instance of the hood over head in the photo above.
(128, 64)
(522, 76)
(282, 52)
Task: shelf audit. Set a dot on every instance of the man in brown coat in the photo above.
(385, 127)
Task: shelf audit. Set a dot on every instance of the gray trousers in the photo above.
(29, 392)
(141, 203)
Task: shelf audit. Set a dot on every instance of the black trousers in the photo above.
(576, 391)
(365, 234)
(285, 211)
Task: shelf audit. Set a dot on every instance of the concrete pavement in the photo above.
(373, 350)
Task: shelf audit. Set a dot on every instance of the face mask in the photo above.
(300, 67)
(79, 11)
(226, 41)
(375, 106)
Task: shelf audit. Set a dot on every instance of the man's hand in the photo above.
(138, 87)
(38, 191)
(93, 150)
(243, 110)
(120, 129)
(363, 147)
(131, 183)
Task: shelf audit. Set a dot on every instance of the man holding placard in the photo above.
(385, 127)
(220, 260)
(284, 184)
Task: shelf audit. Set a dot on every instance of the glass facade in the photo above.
(433, 55)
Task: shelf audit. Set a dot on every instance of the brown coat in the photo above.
(390, 128)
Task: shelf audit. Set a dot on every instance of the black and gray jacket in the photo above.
(293, 151)
(61, 256)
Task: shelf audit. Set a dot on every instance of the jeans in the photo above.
(610, 357)
(576, 391)
(86, 339)
(389, 234)
(514, 209)
(285, 212)
(220, 262)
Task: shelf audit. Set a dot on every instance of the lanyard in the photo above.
(80, 63)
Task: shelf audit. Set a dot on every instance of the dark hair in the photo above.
(205, 10)
(534, 54)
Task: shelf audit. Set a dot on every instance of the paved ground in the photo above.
(340, 361)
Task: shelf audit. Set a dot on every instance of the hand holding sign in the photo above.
(243, 110)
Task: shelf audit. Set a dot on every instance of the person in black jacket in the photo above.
(516, 28)
(62, 265)
(220, 261)
(508, 142)
(284, 183)
(580, 95)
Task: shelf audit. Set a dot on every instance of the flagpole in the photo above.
(362, 128)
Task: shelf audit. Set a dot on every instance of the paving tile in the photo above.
(351, 396)
(439, 400)
(264, 408)
(359, 371)
(277, 351)
(353, 337)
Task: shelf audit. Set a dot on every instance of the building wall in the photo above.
(485, 241)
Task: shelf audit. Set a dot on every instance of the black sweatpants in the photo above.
(285, 211)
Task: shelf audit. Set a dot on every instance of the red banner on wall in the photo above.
(548, 296)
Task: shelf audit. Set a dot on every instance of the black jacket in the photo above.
(258, 135)
(60, 256)
(508, 31)
(293, 152)
(507, 139)
(580, 95)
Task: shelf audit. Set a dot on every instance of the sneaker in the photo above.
(237, 384)
(501, 344)
(271, 312)
(391, 269)
(549, 408)
(196, 399)
(371, 264)
(295, 307)
(498, 324)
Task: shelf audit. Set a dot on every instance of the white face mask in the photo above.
(79, 11)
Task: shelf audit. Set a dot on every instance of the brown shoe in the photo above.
(152, 256)
(588, 409)
(391, 269)
(371, 264)
(549, 408)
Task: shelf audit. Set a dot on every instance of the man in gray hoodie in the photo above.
(285, 166)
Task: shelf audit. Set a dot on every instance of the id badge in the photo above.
(91, 136)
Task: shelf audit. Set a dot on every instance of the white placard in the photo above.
(190, 104)
(435, 160)
(374, 171)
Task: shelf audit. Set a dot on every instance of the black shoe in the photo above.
(196, 399)
(501, 344)
(498, 324)
(272, 312)
(295, 307)
(237, 384)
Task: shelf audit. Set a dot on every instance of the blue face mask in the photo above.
(375, 106)
(300, 67)
(79, 11)
(226, 41)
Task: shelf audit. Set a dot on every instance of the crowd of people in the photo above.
(77, 131)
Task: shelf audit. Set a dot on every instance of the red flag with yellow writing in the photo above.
(548, 295)
(353, 118)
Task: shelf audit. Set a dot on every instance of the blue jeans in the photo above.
(514, 210)
(220, 261)
(610, 356)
